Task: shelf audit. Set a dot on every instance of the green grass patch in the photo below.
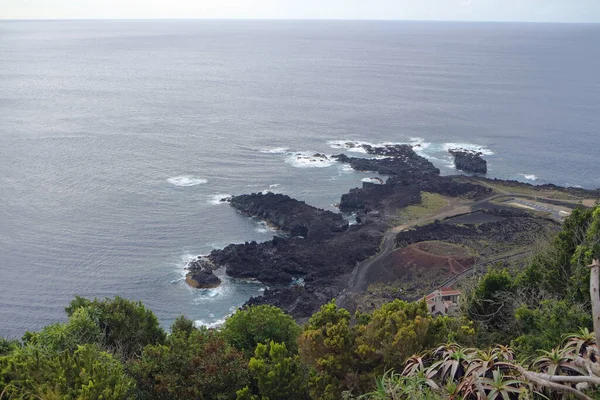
(431, 203)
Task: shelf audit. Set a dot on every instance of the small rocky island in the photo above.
(469, 161)
(201, 274)
(414, 231)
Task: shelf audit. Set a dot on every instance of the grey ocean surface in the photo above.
(117, 138)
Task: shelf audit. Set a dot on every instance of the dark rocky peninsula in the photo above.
(322, 250)
(469, 161)
(290, 215)
(322, 256)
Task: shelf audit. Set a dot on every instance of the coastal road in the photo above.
(358, 282)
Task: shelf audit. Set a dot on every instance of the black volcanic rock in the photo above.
(405, 190)
(403, 161)
(201, 274)
(469, 161)
(321, 262)
(202, 279)
(290, 215)
(513, 228)
(391, 150)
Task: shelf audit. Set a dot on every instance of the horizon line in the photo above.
(295, 19)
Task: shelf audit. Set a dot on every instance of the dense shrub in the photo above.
(126, 326)
(261, 324)
(191, 365)
(87, 372)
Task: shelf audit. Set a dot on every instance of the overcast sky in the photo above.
(463, 10)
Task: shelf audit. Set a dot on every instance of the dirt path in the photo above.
(358, 282)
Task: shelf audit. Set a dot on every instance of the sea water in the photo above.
(119, 139)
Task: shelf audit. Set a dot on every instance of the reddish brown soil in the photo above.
(426, 261)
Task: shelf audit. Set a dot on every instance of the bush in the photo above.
(198, 365)
(126, 326)
(86, 373)
(261, 324)
(277, 373)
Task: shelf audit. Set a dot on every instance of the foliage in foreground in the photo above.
(85, 373)
(195, 365)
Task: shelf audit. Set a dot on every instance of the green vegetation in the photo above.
(261, 324)
(31, 372)
(431, 203)
(115, 348)
(195, 365)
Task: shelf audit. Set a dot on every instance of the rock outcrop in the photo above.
(322, 263)
(396, 160)
(201, 275)
(290, 215)
(278, 261)
(469, 161)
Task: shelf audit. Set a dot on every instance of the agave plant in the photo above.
(558, 361)
(505, 353)
(579, 342)
(414, 363)
(501, 386)
(393, 386)
(484, 362)
(454, 362)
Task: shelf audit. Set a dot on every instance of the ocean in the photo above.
(119, 138)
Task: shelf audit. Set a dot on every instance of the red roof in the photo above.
(446, 291)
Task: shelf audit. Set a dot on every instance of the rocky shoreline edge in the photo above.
(320, 248)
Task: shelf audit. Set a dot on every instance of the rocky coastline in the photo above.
(322, 251)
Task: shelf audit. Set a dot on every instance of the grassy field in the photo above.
(431, 204)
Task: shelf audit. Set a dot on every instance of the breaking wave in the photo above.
(186, 180)
(468, 146)
(210, 325)
(219, 198)
(309, 159)
(377, 181)
(276, 150)
(529, 177)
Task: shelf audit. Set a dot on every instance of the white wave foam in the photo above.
(276, 150)
(377, 181)
(263, 227)
(349, 145)
(347, 168)
(185, 260)
(309, 159)
(218, 198)
(186, 180)
(357, 146)
(468, 146)
(418, 144)
(210, 325)
(273, 185)
(530, 177)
